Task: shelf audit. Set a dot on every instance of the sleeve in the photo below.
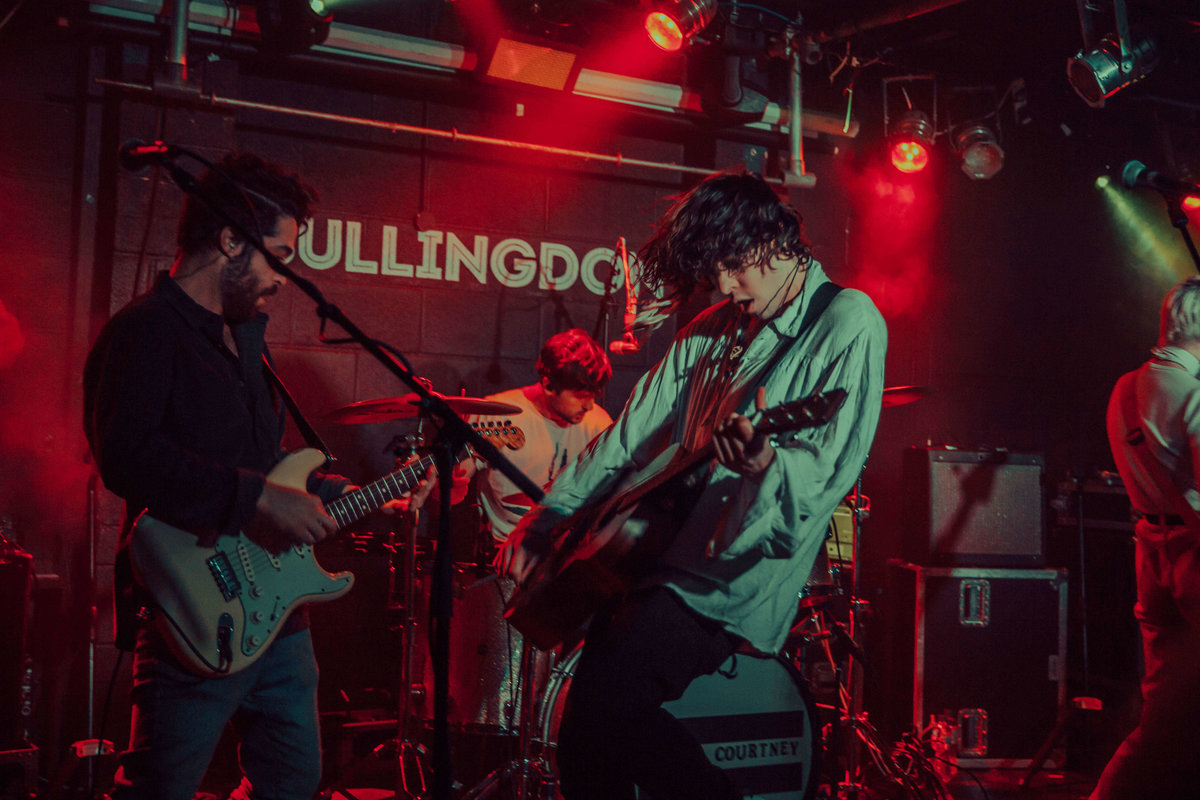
(633, 440)
(128, 379)
(815, 468)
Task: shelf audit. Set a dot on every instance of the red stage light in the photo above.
(910, 156)
(664, 31)
(1191, 203)
(674, 22)
(911, 136)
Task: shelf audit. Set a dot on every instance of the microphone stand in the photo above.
(454, 434)
(1179, 219)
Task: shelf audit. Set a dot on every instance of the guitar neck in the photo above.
(353, 506)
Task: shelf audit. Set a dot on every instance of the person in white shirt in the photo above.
(559, 417)
(746, 546)
(1153, 426)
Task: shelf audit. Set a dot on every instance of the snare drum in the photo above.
(753, 717)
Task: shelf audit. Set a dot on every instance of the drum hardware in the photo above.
(409, 754)
(530, 775)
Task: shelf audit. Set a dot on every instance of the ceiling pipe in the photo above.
(797, 175)
(210, 101)
(177, 60)
(888, 16)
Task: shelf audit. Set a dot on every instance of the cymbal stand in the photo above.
(407, 750)
(410, 784)
(849, 789)
(530, 775)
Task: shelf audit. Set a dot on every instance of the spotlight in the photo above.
(673, 23)
(982, 157)
(909, 141)
(1109, 68)
(292, 26)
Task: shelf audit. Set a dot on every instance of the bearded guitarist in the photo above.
(747, 541)
(183, 422)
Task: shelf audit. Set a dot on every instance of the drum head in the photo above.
(753, 717)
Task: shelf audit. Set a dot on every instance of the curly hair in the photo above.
(573, 360)
(730, 220)
(254, 192)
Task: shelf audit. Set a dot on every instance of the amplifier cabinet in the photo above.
(985, 647)
(973, 508)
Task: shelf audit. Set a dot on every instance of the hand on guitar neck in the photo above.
(739, 446)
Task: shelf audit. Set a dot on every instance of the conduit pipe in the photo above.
(213, 101)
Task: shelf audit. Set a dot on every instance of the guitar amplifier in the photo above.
(979, 508)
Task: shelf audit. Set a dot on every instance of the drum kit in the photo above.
(756, 714)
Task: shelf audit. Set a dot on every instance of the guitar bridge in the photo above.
(226, 579)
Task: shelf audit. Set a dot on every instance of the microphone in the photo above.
(1136, 174)
(625, 346)
(136, 156)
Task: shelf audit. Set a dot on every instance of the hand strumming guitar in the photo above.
(513, 558)
(286, 516)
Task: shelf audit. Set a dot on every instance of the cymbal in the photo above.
(902, 395)
(384, 409)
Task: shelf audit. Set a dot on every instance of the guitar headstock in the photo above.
(501, 433)
(810, 412)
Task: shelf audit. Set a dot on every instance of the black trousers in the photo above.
(614, 733)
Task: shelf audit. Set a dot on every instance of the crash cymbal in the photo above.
(902, 395)
(384, 409)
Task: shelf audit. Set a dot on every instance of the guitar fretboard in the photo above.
(351, 507)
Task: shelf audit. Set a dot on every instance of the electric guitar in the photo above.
(220, 607)
(602, 550)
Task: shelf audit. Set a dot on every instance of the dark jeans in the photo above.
(178, 719)
(614, 733)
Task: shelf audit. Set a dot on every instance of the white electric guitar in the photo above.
(221, 606)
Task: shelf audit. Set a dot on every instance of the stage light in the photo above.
(672, 24)
(909, 141)
(982, 156)
(292, 26)
(1191, 203)
(1101, 73)
(1102, 182)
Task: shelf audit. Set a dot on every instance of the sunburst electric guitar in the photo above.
(602, 550)
(220, 606)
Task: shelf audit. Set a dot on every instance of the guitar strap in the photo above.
(821, 299)
(306, 430)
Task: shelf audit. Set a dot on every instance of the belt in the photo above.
(1161, 519)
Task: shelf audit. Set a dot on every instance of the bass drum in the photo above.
(753, 717)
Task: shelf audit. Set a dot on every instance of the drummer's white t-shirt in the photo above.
(549, 446)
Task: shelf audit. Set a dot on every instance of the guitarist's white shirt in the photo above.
(746, 550)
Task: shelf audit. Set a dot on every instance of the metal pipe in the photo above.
(908, 10)
(797, 174)
(177, 61)
(212, 101)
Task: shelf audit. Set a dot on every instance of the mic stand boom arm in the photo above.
(455, 432)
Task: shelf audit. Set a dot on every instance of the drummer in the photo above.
(560, 418)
